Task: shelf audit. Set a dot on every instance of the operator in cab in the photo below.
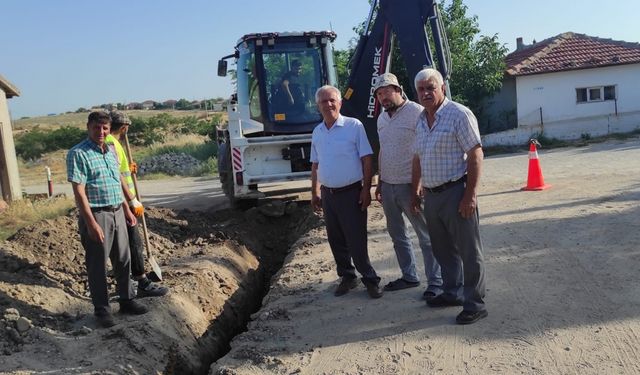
(291, 95)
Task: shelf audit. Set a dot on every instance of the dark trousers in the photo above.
(137, 251)
(346, 227)
(457, 247)
(116, 247)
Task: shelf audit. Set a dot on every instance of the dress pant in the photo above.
(115, 247)
(346, 227)
(457, 247)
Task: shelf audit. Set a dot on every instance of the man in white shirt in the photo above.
(341, 174)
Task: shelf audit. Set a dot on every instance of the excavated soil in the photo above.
(217, 264)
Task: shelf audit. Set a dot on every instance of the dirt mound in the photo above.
(217, 265)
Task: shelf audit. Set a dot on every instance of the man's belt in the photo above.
(112, 208)
(446, 185)
(341, 189)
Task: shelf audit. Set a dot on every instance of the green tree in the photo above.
(183, 104)
(478, 60)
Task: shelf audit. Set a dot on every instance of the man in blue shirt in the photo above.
(93, 173)
(341, 174)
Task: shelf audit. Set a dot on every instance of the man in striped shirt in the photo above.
(446, 170)
(103, 215)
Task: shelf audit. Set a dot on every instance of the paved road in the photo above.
(194, 193)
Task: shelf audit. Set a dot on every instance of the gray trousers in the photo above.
(347, 234)
(116, 247)
(457, 246)
(396, 202)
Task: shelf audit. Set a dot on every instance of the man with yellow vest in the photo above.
(119, 125)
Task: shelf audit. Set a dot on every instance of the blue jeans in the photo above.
(396, 200)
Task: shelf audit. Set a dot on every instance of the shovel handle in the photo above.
(135, 186)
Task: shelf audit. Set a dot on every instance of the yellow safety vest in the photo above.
(123, 162)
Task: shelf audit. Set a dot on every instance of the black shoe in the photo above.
(132, 307)
(346, 284)
(440, 301)
(151, 290)
(468, 317)
(104, 319)
(428, 295)
(400, 284)
(374, 290)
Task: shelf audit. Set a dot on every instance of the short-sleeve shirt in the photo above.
(443, 148)
(397, 134)
(338, 151)
(89, 165)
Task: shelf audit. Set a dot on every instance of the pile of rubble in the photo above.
(173, 164)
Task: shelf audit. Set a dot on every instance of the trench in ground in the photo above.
(271, 247)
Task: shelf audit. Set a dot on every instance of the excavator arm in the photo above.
(404, 22)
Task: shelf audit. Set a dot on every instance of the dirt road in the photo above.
(562, 294)
(561, 276)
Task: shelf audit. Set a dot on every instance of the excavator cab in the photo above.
(277, 75)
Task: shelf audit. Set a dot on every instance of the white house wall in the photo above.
(547, 104)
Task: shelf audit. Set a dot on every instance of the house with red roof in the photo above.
(566, 87)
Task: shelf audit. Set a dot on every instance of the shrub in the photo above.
(37, 142)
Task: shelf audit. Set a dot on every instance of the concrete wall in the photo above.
(9, 177)
(501, 108)
(547, 104)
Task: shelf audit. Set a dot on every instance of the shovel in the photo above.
(156, 274)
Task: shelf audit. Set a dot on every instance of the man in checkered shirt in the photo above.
(93, 172)
(446, 170)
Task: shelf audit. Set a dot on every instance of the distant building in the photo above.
(9, 176)
(170, 103)
(218, 107)
(565, 87)
(133, 105)
(148, 104)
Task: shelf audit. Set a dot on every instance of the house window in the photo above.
(595, 94)
(609, 93)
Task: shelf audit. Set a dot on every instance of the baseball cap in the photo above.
(386, 79)
(118, 117)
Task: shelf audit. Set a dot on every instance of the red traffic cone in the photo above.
(535, 181)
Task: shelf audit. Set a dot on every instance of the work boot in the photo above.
(131, 307)
(104, 318)
(346, 284)
(470, 317)
(374, 290)
(148, 289)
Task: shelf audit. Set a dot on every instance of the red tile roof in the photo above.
(571, 51)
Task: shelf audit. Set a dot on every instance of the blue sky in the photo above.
(66, 54)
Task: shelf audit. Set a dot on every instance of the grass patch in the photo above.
(79, 120)
(26, 212)
(200, 151)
